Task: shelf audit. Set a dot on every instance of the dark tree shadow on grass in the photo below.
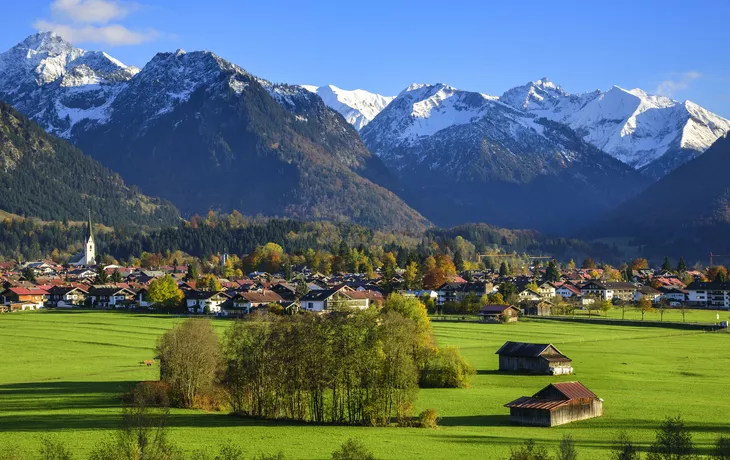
(476, 420)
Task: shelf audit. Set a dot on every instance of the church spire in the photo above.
(91, 228)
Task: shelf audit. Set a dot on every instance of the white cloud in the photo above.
(91, 11)
(112, 34)
(677, 83)
(94, 21)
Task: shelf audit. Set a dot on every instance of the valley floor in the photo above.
(61, 374)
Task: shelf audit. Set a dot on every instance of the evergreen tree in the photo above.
(301, 289)
(101, 276)
(459, 261)
(29, 274)
(288, 272)
(116, 276)
(192, 274)
(503, 269)
(681, 265)
(667, 265)
(629, 273)
(673, 441)
(552, 273)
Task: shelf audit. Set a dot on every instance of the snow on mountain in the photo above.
(59, 85)
(653, 134)
(358, 107)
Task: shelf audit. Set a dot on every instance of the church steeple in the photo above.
(90, 249)
(91, 228)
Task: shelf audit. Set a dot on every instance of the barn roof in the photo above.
(529, 350)
(569, 390)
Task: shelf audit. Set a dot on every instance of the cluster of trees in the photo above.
(359, 367)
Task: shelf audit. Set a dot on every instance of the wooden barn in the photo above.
(498, 314)
(556, 404)
(536, 358)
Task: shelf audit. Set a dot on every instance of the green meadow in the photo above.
(61, 374)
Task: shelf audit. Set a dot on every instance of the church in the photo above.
(88, 257)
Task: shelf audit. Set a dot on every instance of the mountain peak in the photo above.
(49, 42)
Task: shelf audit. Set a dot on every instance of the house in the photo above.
(24, 298)
(420, 294)
(498, 314)
(449, 292)
(110, 296)
(675, 294)
(648, 292)
(546, 290)
(529, 295)
(536, 358)
(66, 296)
(205, 301)
(246, 302)
(567, 290)
(556, 404)
(709, 294)
(337, 298)
(608, 290)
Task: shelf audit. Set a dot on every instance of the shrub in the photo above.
(279, 456)
(721, 451)
(352, 449)
(212, 399)
(10, 452)
(566, 449)
(428, 419)
(529, 451)
(151, 393)
(54, 450)
(624, 449)
(446, 368)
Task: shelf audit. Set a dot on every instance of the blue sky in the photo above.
(674, 47)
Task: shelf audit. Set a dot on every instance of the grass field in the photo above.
(62, 372)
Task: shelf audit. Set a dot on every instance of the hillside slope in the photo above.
(43, 176)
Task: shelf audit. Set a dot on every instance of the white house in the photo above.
(334, 299)
(647, 291)
(547, 290)
(202, 301)
(567, 290)
(709, 294)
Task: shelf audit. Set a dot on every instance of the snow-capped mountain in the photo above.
(205, 134)
(653, 134)
(466, 156)
(58, 85)
(358, 107)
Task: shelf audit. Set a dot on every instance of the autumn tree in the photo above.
(645, 306)
(588, 264)
(639, 264)
(189, 358)
(410, 276)
(209, 282)
(718, 273)
(164, 292)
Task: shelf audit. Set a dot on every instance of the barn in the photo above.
(498, 314)
(556, 404)
(536, 358)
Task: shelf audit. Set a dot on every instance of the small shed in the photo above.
(542, 308)
(537, 358)
(556, 404)
(498, 314)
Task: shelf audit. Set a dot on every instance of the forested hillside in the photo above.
(45, 177)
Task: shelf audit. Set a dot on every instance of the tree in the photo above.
(164, 292)
(673, 441)
(52, 450)
(29, 274)
(301, 289)
(566, 449)
(605, 306)
(192, 274)
(552, 273)
(721, 450)
(503, 269)
(288, 273)
(530, 451)
(142, 434)
(459, 261)
(589, 264)
(624, 449)
(681, 265)
(352, 449)
(667, 265)
(101, 276)
(189, 358)
(410, 276)
(116, 276)
(412, 309)
(496, 299)
(645, 306)
(209, 282)
(639, 264)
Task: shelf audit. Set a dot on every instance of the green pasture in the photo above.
(61, 374)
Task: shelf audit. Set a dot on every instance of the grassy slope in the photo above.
(62, 372)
